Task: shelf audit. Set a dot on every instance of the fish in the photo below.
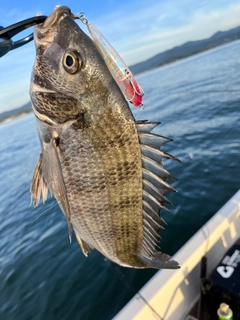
(103, 167)
(119, 70)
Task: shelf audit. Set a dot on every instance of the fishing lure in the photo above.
(119, 70)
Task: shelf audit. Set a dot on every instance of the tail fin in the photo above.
(161, 261)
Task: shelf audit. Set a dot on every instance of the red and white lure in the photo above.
(119, 70)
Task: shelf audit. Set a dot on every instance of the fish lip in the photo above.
(59, 13)
(44, 33)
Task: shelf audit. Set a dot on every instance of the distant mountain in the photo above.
(186, 50)
(8, 115)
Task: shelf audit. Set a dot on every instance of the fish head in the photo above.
(70, 77)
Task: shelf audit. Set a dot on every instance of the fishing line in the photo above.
(121, 276)
(30, 222)
(204, 92)
(140, 111)
(198, 92)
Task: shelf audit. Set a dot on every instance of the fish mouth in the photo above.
(44, 32)
(59, 13)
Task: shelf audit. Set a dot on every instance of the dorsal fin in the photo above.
(154, 202)
(155, 188)
(153, 140)
(146, 126)
(157, 168)
(163, 186)
(140, 121)
(155, 154)
(150, 188)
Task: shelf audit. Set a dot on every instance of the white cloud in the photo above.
(163, 25)
(200, 25)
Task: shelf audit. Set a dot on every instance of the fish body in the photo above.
(104, 169)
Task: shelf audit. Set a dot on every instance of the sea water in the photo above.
(42, 276)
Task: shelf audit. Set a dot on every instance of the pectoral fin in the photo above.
(48, 174)
(39, 187)
(154, 193)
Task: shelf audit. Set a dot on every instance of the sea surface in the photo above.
(42, 276)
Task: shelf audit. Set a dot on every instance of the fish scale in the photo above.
(104, 168)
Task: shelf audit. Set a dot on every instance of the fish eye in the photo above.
(72, 61)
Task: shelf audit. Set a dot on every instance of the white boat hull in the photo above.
(172, 293)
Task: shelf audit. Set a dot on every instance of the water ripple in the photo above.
(42, 276)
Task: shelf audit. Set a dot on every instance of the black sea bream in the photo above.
(104, 168)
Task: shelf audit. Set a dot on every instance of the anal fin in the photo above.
(86, 248)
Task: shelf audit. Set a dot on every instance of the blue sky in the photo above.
(137, 29)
